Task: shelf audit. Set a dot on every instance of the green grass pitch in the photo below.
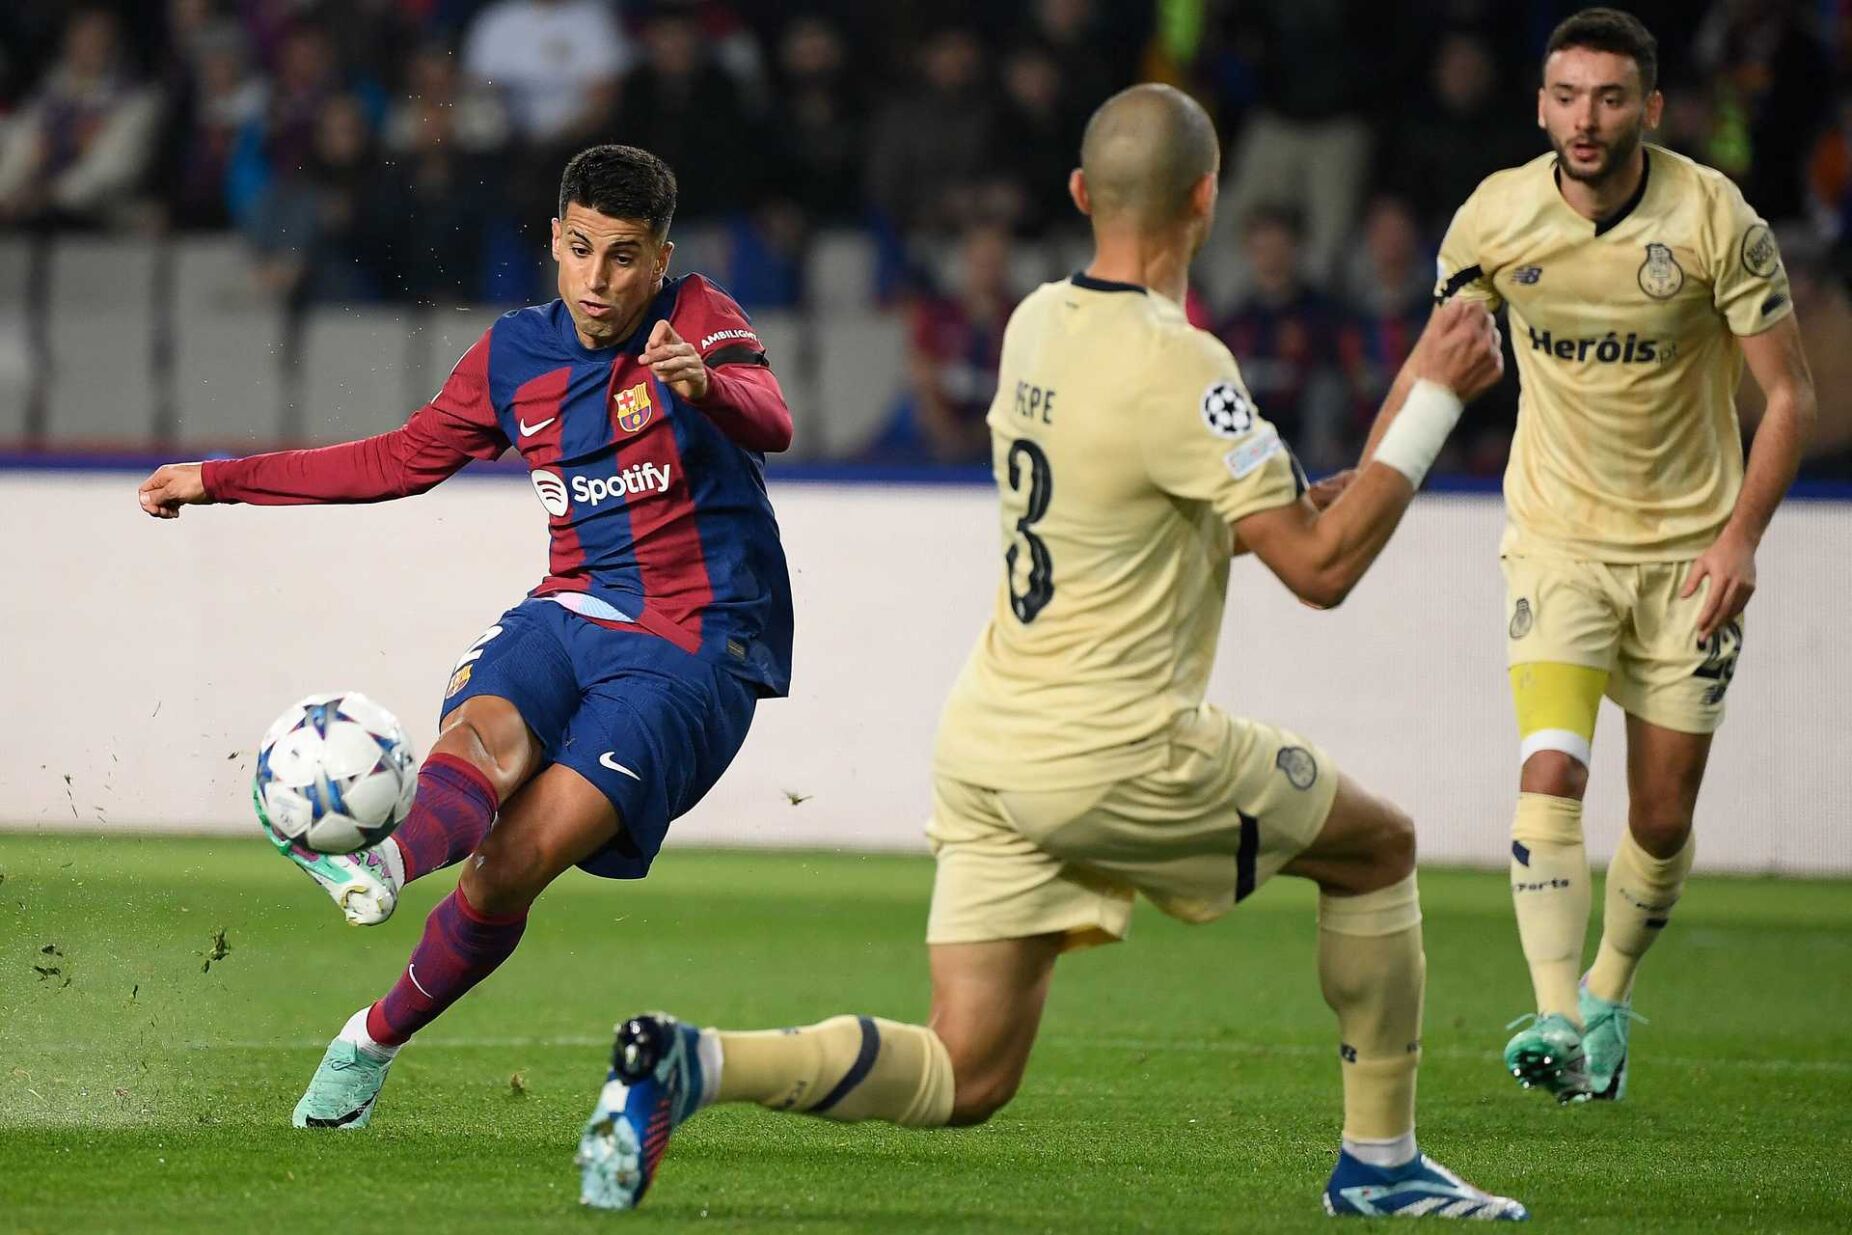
(1185, 1081)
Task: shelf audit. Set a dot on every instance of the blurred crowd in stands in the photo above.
(409, 150)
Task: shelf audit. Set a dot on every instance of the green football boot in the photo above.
(364, 884)
(1605, 1043)
(1547, 1054)
(342, 1091)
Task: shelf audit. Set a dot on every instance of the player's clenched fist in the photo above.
(1461, 350)
(674, 360)
(172, 486)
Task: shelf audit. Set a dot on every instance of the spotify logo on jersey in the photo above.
(550, 487)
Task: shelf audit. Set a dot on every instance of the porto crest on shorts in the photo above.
(633, 407)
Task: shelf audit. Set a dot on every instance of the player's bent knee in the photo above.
(976, 1099)
(1661, 831)
(1396, 846)
(1558, 773)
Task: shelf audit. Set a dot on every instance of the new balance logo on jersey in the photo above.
(644, 478)
(1609, 348)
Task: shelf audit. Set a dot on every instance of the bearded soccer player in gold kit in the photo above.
(1637, 283)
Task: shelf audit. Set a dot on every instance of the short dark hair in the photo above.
(1613, 31)
(623, 182)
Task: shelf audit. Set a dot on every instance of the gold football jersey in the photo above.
(1124, 446)
(1627, 446)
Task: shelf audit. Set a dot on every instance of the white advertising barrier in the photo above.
(141, 660)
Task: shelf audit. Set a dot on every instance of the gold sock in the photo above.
(1549, 891)
(1641, 892)
(1372, 971)
(847, 1068)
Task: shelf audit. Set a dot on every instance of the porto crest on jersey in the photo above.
(633, 407)
(1660, 274)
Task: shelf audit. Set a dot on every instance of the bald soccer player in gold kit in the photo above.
(1077, 764)
(1637, 283)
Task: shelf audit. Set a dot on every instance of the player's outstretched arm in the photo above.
(457, 425)
(1779, 364)
(1321, 554)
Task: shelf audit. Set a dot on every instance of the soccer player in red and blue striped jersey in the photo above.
(612, 698)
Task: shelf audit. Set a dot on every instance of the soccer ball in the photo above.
(336, 773)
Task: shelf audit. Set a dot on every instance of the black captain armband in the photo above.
(738, 353)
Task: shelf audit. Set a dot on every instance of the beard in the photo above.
(1616, 155)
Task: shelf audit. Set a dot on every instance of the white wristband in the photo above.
(1416, 435)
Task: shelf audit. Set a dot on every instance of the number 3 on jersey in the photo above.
(1038, 585)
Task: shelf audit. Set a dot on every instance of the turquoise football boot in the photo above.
(343, 1090)
(1604, 1039)
(1547, 1054)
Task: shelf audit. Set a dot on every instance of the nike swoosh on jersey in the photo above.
(528, 430)
(605, 760)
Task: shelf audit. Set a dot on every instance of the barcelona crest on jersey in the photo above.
(633, 407)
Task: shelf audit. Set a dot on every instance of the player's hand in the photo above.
(1461, 350)
(1730, 565)
(1331, 488)
(172, 486)
(674, 360)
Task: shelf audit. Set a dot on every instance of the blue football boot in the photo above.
(1419, 1188)
(655, 1084)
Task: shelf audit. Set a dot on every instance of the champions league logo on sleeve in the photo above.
(1660, 274)
(1227, 410)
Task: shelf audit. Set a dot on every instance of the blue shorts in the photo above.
(649, 724)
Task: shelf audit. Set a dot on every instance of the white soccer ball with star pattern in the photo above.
(335, 773)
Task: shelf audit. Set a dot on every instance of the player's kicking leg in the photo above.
(555, 821)
(1664, 771)
(987, 1001)
(482, 754)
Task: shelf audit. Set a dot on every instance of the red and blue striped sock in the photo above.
(461, 946)
(450, 816)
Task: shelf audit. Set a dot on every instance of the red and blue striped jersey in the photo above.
(656, 508)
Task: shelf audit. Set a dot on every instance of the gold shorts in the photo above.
(1237, 801)
(1628, 621)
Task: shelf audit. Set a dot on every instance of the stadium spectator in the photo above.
(1071, 33)
(278, 143)
(473, 115)
(1306, 146)
(82, 140)
(315, 230)
(557, 62)
(213, 96)
(1283, 334)
(1768, 70)
(816, 124)
(1387, 290)
(954, 345)
(931, 146)
(1474, 125)
(683, 107)
(443, 140)
(1038, 140)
